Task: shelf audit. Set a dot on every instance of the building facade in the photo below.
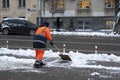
(18, 9)
(74, 14)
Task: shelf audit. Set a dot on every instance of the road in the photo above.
(80, 43)
(84, 44)
(60, 74)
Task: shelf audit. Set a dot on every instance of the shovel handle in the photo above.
(57, 48)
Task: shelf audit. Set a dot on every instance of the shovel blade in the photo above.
(65, 57)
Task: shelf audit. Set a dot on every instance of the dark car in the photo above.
(17, 26)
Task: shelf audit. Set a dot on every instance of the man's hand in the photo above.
(51, 43)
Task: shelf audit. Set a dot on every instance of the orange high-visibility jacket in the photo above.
(41, 36)
(45, 31)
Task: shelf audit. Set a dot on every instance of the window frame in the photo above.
(109, 5)
(5, 3)
(83, 25)
(21, 3)
(57, 5)
(109, 24)
(83, 4)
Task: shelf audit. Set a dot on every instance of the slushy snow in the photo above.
(24, 59)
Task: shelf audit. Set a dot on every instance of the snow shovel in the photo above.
(63, 56)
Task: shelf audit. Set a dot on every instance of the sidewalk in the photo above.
(59, 73)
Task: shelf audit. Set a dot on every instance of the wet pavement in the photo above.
(85, 44)
(51, 73)
(65, 72)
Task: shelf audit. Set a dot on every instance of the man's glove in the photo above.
(51, 43)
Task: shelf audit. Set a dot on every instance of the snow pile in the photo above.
(91, 33)
(21, 59)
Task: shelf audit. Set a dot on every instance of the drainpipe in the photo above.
(52, 12)
(40, 11)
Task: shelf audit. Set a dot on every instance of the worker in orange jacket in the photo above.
(42, 34)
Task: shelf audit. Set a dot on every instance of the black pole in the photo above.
(44, 7)
(52, 12)
(117, 7)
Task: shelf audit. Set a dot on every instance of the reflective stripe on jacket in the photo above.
(41, 36)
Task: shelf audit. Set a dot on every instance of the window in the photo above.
(22, 3)
(5, 4)
(84, 4)
(58, 4)
(12, 21)
(22, 17)
(110, 3)
(5, 17)
(83, 25)
(109, 24)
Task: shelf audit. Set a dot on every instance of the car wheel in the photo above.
(32, 32)
(6, 31)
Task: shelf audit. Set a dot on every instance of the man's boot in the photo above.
(38, 64)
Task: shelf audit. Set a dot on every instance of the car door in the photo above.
(24, 27)
(14, 26)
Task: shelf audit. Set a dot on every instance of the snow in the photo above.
(24, 59)
(15, 18)
(103, 33)
(95, 74)
(11, 59)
